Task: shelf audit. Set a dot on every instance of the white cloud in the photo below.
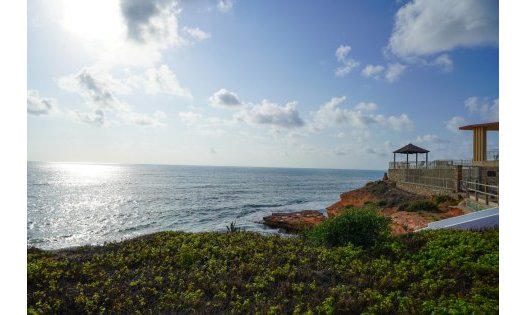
(94, 85)
(454, 123)
(394, 71)
(150, 21)
(376, 151)
(368, 107)
(271, 114)
(443, 61)
(401, 122)
(425, 27)
(135, 118)
(96, 118)
(225, 5)
(347, 64)
(331, 114)
(372, 71)
(37, 105)
(439, 147)
(429, 138)
(342, 52)
(189, 118)
(224, 98)
(346, 68)
(484, 108)
(159, 80)
(196, 33)
(99, 88)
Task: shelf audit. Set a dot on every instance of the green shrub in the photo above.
(382, 203)
(358, 226)
(417, 205)
(431, 272)
(438, 199)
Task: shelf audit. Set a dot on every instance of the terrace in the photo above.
(478, 177)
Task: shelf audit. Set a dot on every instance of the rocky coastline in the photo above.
(384, 195)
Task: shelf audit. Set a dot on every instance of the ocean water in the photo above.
(70, 204)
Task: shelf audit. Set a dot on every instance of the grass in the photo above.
(439, 272)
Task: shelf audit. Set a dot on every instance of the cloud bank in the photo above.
(426, 27)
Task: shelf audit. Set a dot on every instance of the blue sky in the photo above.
(335, 84)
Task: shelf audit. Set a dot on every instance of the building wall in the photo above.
(428, 181)
(423, 190)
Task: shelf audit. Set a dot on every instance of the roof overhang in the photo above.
(494, 126)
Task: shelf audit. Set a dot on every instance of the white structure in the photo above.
(472, 221)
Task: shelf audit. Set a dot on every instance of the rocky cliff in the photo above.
(381, 193)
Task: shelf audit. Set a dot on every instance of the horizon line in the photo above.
(203, 165)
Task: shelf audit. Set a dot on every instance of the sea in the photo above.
(74, 204)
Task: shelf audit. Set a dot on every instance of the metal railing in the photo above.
(490, 193)
(492, 155)
(432, 164)
(437, 182)
(420, 164)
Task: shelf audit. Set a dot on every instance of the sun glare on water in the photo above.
(86, 173)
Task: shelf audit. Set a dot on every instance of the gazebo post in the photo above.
(417, 160)
(407, 160)
(426, 158)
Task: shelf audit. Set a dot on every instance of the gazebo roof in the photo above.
(411, 149)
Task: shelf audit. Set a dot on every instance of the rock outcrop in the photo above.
(294, 221)
(382, 193)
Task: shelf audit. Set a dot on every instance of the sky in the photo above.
(339, 84)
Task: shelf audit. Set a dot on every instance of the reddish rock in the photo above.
(389, 198)
(453, 212)
(379, 192)
(405, 222)
(294, 221)
(382, 193)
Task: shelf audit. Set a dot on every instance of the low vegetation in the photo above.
(438, 199)
(174, 272)
(357, 226)
(419, 205)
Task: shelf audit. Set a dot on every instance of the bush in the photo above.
(438, 199)
(417, 205)
(358, 226)
(430, 272)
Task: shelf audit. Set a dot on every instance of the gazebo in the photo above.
(409, 149)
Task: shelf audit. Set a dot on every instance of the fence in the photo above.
(429, 165)
(488, 192)
(438, 182)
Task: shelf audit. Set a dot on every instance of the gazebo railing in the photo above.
(432, 164)
(412, 164)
